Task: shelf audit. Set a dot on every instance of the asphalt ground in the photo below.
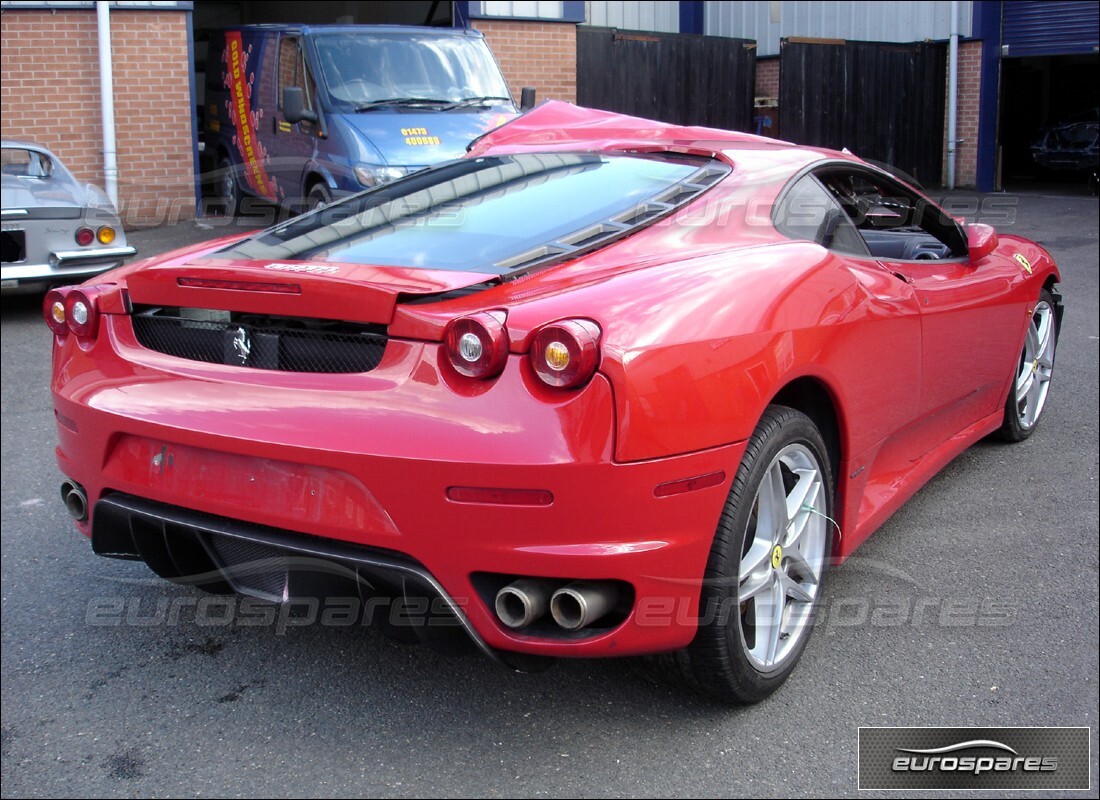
(975, 605)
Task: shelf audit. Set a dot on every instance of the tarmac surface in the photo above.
(977, 604)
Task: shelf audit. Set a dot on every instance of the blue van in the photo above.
(302, 115)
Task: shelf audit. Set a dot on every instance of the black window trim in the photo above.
(877, 172)
(782, 200)
(594, 236)
(300, 60)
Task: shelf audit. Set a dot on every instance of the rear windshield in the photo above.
(362, 68)
(491, 215)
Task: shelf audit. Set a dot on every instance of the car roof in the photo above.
(409, 30)
(18, 144)
(555, 125)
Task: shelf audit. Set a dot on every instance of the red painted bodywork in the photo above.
(705, 316)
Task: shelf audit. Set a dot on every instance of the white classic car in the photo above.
(55, 229)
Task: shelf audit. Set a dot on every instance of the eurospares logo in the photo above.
(974, 758)
(953, 759)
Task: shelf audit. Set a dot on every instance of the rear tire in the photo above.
(766, 566)
(1027, 396)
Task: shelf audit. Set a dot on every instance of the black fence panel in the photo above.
(681, 78)
(884, 102)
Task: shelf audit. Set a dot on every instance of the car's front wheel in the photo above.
(1027, 397)
(319, 196)
(766, 566)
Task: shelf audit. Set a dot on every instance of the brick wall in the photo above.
(966, 126)
(767, 77)
(50, 95)
(766, 117)
(538, 54)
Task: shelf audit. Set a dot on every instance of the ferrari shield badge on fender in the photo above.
(1023, 262)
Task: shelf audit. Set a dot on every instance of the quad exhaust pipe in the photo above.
(580, 604)
(523, 602)
(573, 607)
(75, 499)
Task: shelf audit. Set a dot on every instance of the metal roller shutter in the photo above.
(1049, 28)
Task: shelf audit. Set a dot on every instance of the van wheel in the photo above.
(229, 190)
(319, 196)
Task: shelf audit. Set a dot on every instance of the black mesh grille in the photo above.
(259, 567)
(282, 344)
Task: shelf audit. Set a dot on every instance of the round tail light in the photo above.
(82, 312)
(53, 309)
(105, 235)
(84, 237)
(477, 345)
(565, 354)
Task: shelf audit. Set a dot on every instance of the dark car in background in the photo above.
(1073, 145)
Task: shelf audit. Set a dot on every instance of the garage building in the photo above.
(1021, 66)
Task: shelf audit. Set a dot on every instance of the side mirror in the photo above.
(527, 98)
(294, 105)
(981, 241)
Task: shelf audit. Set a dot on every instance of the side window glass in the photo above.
(293, 70)
(894, 222)
(810, 213)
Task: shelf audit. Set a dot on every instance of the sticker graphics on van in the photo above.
(418, 136)
(239, 82)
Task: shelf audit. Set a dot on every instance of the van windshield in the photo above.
(361, 69)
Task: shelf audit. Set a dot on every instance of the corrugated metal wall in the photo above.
(534, 9)
(1049, 28)
(643, 15)
(768, 22)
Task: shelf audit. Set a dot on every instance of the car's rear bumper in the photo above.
(220, 554)
(70, 266)
(366, 460)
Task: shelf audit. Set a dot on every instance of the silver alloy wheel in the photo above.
(783, 558)
(1036, 366)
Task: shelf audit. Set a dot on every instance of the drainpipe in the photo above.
(107, 101)
(952, 94)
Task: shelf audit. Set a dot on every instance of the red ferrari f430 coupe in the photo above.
(602, 387)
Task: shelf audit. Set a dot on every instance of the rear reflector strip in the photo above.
(239, 286)
(689, 484)
(500, 497)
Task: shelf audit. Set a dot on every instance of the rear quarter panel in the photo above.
(698, 348)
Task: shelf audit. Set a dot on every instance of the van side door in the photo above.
(292, 144)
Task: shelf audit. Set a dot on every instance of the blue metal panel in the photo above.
(196, 161)
(691, 16)
(461, 16)
(1050, 27)
(987, 27)
(573, 11)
